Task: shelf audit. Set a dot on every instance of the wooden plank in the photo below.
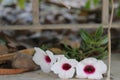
(105, 11)
(35, 11)
(55, 26)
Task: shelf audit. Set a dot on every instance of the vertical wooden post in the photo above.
(109, 41)
(105, 12)
(35, 11)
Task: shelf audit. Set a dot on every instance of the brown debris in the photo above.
(20, 61)
(12, 71)
(3, 49)
(56, 50)
(24, 61)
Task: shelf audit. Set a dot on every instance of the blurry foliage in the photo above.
(45, 47)
(21, 3)
(92, 2)
(118, 10)
(92, 45)
(73, 53)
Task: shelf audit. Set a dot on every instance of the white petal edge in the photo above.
(68, 74)
(38, 56)
(56, 68)
(89, 60)
(101, 67)
(59, 57)
(79, 71)
(96, 75)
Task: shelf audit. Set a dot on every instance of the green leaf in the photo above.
(0, 1)
(118, 13)
(118, 10)
(45, 47)
(21, 3)
(85, 36)
(100, 49)
(102, 55)
(99, 32)
(88, 4)
(96, 2)
(66, 47)
(104, 40)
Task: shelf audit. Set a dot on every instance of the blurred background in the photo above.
(19, 12)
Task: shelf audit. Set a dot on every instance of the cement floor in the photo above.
(38, 75)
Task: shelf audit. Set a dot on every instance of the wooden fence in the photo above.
(37, 25)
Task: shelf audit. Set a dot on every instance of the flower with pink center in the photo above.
(91, 68)
(59, 57)
(65, 68)
(44, 58)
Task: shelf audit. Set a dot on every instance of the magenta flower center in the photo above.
(47, 59)
(89, 69)
(66, 66)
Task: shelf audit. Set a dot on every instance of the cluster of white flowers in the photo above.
(90, 68)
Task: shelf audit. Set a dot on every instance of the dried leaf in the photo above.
(27, 51)
(11, 56)
(12, 71)
(6, 57)
(3, 49)
(73, 44)
(56, 50)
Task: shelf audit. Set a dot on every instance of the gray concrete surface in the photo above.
(115, 67)
(38, 75)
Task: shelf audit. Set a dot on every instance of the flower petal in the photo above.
(80, 71)
(52, 57)
(65, 68)
(73, 62)
(101, 66)
(91, 64)
(59, 57)
(90, 60)
(56, 68)
(67, 74)
(38, 56)
(45, 68)
(37, 49)
(96, 75)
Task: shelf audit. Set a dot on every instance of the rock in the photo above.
(24, 61)
(25, 18)
(3, 49)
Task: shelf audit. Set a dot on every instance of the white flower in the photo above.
(59, 57)
(91, 68)
(44, 59)
(65, 68)
(8, 2)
